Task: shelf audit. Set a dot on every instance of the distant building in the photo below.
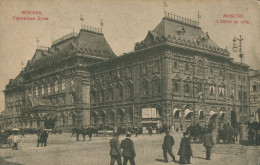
(176, 76)
(254, 95)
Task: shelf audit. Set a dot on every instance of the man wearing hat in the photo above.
(115, 150)
(167, 146)
(128, 149)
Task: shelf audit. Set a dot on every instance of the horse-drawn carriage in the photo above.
(196, 133)
(5, 140)
(227, 135)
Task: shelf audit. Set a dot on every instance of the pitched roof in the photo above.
(88, 43)
(180, 31)
(168, 27)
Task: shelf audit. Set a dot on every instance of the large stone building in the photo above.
(53, 88)
(254, 95)
(176, 76)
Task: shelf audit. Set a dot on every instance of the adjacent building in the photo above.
(53, 89)
(176, 76)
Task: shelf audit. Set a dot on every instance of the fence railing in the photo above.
(181, 19)
(90, 28)
(43, 48)
(73, 34)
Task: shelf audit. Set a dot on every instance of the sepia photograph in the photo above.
(129, 82)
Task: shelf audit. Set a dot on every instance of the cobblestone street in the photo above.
(63, 149)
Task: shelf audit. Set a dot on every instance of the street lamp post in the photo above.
(240, 39)
(243, 127)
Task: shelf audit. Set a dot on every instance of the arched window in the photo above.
(145, 88)
(156, 87)
(63, 85)
(110, 93)
(56, 87)
(187, 88)
(177, 115)
(36, 91)
(211, 90)
(201, 115)
(120, 116)
(175, 87)
(221, 91)
(211, 72)
(102, 118)
(101, 95)
(130, 90)
(200, 69)
(175, 64)
(49, 89)
(119, 91)
(42, 92)
(187, 68)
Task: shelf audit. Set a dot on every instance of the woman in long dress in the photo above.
(185, 151)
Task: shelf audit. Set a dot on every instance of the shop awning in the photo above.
(186, 112)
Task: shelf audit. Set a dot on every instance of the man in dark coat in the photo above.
(185, 151)
(128, 149)
(208, 144)
(44, 138)
(115, 150)
(90, 133)
(168, 142)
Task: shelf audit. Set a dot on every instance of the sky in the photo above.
(125, 23)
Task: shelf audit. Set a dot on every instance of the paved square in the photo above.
(64, 150)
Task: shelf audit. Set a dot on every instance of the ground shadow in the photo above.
(162, 160)
(199, 157)
(4, 162)
(159, 160)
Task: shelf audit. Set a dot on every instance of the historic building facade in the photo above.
(254, 95)
(53, 89)
(176, 76)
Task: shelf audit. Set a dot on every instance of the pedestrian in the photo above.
(84, 132)
(77, 130)
(208, 144)
(168, 142)
(44, 138)
(90, 133)
(115, 151)
(251, 137)
(15, 142)
(150, 130)
(22, 133)
(136, 132)
(128, 149)
(39, 139)
(185, 151)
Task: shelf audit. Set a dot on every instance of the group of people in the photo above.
(185, 150)
(128, 151)
(42, 138)
(83, 131)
